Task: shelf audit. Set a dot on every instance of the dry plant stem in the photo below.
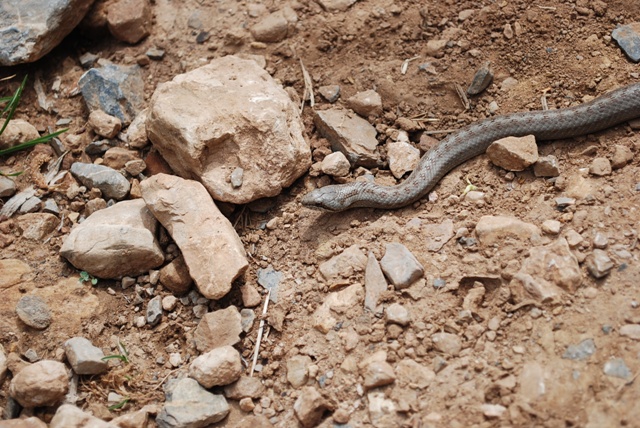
(260, 331)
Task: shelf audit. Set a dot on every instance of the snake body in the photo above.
(610, 109)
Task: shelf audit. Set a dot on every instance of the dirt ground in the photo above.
(560, 48)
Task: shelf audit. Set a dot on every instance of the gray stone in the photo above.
(276, 26)
(628, 38)
(189, 405)
(99, 147)
(219, 328)
(31, 205)
(481, 79)
(298, 370)
(88, 59)
(155, 53)
(400, 266)
(581, 351)
(29, 29)
(111, 183)
(248, 317)
(51, 207)
(616, 367)
(218, 367)
(84, 358)
(330, 93)
(270, 279)
(350, 134)
(117, 90)
(245, 387)
(397, 314)
(34, 312)
(600, 167)
(154, 311)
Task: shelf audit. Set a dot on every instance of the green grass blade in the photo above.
(32, 143)
(10, 109)
(5, 99)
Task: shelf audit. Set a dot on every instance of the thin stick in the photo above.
(441, 131)
(308, 87)
(260, 330)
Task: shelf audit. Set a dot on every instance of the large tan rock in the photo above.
(44, 383)
(230, 126)
(210, 246)
(115, 242)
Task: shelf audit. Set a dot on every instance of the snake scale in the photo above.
(610, 109)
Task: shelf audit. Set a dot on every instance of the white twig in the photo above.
(308, 87)
(260, 330)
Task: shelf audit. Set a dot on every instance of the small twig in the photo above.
(463, 96)
(260, 330)
(163, 379)
(546, 7)
(405, 64)
(308, 87)
(543, 99)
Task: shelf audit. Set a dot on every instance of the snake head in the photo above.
(324, 198)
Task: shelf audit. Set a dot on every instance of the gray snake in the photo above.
(600, 113)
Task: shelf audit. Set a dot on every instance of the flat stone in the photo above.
(344, 265)
(495, 229)
(400, 266)
(117, 158)
(115, 242)
(245, 387)
(111, 183)
(514, 153)
(374, 282)
(84, 358)
(252, 125)
(31, 422)
(628, 38)
(377, 373)
(622, 155)
(349, 134)
(218, 367)
(44, 383)
(209, 244)
(616, 367)
(136, 134)
(631, 331)
(482, 78)
(117, 90)
(190, 405)
(218, 328)
(336, 303)
(30, 29)
(336, 5)
(34, 312)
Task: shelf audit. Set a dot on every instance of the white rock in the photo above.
(69, 416)
(494, 229)
(115, 242)
(514, 153)
(400, 266)
(253, 125)
(403, 158)
(335, 164)
(220, 366)
(104, 124)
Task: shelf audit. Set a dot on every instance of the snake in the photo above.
(605, 111)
